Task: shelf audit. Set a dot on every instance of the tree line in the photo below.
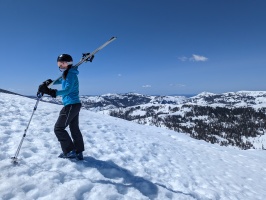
(225, 126)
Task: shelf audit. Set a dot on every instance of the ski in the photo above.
(88, 57)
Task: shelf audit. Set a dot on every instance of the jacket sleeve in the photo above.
(70, 80)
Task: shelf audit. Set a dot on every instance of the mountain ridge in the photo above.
(233, 119)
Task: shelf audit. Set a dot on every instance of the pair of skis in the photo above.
(88, 56)
(85, 58)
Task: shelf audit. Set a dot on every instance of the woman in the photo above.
(73, 146)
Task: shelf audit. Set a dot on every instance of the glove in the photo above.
(43, 89)
(48, 81)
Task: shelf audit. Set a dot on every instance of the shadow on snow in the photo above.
(112, 171)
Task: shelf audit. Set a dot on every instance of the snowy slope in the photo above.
(123, 160)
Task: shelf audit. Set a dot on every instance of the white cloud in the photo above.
(177, 85)
(193, 58)
(183, 58)
(146, 86)
(198, 58)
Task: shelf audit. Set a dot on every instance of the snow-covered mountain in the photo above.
(113, 101)
(234, 119)
(254, 99)
(123, 160)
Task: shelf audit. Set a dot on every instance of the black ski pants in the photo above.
(69, 115)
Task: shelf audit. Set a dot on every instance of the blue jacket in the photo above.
(70, 87)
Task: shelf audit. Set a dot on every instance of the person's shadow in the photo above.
(112, 171)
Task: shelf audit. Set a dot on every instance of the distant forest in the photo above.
(225, 126)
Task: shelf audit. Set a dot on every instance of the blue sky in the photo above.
(163, 47)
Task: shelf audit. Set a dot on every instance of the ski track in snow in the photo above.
(123, 160)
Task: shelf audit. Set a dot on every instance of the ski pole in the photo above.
(15, 158)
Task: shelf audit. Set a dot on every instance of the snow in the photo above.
(172, 99)
(123, 160)
(138, 112)
(203, 94)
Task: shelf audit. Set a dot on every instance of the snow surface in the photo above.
(123, 160)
